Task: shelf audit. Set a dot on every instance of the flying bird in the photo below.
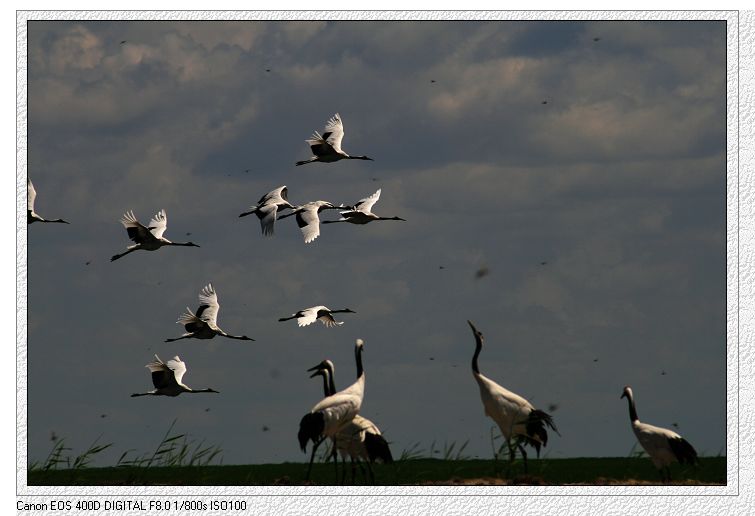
(166, 377)
(482, 272)
(317, 313)
(327, 148)
(662, 445)
(333, 412)
(516, 417)
(267, 208)
(147, 238)
(31, 215)
(361, 213)
(308, 217)
(204, 324)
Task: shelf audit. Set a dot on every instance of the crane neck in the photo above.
(632, 409)
(478, 348)
(360, 369)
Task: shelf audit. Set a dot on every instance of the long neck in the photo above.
(331, 379)
(202, 390)
(326, 384)
(190, 244)
(477, 350)
(632, 410)
(360, 369)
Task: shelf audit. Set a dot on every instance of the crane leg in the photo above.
(335, 458)
(312, 457)
(524, 455)
(372, 473)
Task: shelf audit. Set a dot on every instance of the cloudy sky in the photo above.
(587, 177)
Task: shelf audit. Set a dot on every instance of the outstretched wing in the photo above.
(309, 223)
(327, 319)
(177, 367)
(267, 214)
(136, 231)
(308, 316)
(333, 133)
(161, 374)
(31, 194)
(365, 205)
(191, 322)
(208, 305)
(159, 224)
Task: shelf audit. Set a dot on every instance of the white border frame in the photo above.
(642, 497)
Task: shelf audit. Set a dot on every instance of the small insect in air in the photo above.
(482, 272)
(265, 428)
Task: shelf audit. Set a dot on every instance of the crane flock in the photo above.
(337, 416)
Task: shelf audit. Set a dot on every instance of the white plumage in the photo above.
(662, 445)
(204, 324)
(147, 238)
(308, 218)
(327, 148)
(31, 215)
(167, 378)
(362, 214)
(516, 417)
(317, 313)
(267, 208)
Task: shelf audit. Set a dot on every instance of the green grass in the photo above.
(620, 470)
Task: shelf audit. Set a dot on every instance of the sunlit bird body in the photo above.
(308, 217)
(267, 208)
(317, 313)
(333, 412)
(327, 148)
(662, 445)
(360, 438)
(31, 215)
(166, 377)
(147, 238)
(516, 417)
(361, 213)
(204, 324)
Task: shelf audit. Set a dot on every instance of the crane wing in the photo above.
(309, 223)
(161, 374)
(136, 231)
(365, 205)
(327, 319)
(308, 316)
(333, 133)
(31, 194)
(178, 368)
(159, 224)
(267, 214)
(208, 309)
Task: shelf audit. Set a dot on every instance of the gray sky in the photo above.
(618, 183)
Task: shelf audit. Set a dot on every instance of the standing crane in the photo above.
(361, 213)
(333, 412)
(360, 438)
(661, 444)
(147, 238)
(166, 377)
(31, 215)
(308, 217)
(515, 416)
(204, 324)
(317, 313)
(267, 208)
(327, 148)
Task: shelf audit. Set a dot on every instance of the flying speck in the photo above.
(482, 272)
(374, 179)
(594, 359)
(675, 425)
(544, 102)
(265, 428)
(246, 171)
(103, 416)
(207, 409)
(543, 263)
(267, 69)
(663, 373)
(432, 358)
(552, 407)
(53, 436)
(596, 39)
(432, 80)
(123, 42)
(188, 234)
(87, 263)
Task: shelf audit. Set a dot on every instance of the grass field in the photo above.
(601, 471)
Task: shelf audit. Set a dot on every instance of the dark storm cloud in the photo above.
(617, 183)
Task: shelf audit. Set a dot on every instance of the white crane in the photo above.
(333, 412)
(515, 416)
(308, 217)
(317, 313)
(166, 378)
(327, 148)
(361, 213)
(661, 444)
(360, 438)
(147, 238)
(204, 324)
(31, 215)
(267, 208)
